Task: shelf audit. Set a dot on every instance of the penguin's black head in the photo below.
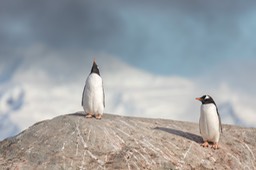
(206, 99)
(95, 68)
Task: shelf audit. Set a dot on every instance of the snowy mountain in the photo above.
(11, 100)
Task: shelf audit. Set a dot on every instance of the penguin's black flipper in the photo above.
(82, 103)
(219, 120)
(103, 95)
(218, 116)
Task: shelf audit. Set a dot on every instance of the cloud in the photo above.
(194, 34)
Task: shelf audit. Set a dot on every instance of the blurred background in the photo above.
(155, 57)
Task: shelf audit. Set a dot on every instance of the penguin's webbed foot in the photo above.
(205, 144)
(215, 146)
(98, 116)
(88, 115)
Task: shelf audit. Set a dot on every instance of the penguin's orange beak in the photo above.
(198, 98)
(94, 61)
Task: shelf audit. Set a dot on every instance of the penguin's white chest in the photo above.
(93, 96)
(209, 123)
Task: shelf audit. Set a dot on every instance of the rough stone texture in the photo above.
(117, 142)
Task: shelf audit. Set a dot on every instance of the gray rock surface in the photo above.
(117, 142)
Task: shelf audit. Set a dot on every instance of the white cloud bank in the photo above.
(46, 84)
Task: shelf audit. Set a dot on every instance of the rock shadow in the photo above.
(82, 114)
(187, 135)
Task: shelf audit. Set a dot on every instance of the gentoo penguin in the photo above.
(93, 99)
(209, 122)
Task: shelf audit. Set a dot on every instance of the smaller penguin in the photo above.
(93, 99)
(209, 122)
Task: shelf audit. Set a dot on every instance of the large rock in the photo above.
(117, 142)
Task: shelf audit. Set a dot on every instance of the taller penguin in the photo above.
(209, 122)
(93, 99)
